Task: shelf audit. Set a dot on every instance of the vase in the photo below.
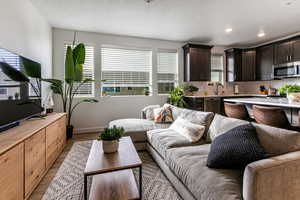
(70, 131)
(110, 146)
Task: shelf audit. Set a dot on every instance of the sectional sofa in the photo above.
(184, 163)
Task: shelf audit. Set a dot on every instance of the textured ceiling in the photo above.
(180, 20)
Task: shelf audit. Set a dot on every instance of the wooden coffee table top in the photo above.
(99, 162)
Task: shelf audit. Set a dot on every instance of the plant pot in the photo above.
(70, 131)
(110, 146)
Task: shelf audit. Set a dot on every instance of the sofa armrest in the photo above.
(276, 178)
(144, 110)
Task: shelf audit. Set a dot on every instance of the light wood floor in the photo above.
(42, 187)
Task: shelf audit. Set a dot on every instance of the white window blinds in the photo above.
(86, 89)
(125, 68)
(217, 68)
(167, 68)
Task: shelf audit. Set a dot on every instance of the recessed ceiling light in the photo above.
(228, 30)
(262, 34)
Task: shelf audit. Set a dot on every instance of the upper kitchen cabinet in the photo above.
(265, 61)
(197, 62)
(233, 65)
(283, 52)
(288, 51)
(296, 49)
(249, 65)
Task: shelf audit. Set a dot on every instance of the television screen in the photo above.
(18, 100)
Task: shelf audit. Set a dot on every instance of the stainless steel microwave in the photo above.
(287, 70)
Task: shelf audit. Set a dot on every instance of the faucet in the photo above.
(217, 87)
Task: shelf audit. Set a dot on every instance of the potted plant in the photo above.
(110, 138)
(146, 91)
(290, 91)
(176, 97)
(190, 89)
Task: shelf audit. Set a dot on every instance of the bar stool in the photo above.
(272, 116)
(236, 110)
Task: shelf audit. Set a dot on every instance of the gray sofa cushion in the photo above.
(221, 124)
(196, 117)
(277, 141)
(137, 128)
(189, 165)
(163, 139)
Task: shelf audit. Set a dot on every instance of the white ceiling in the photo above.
(180, 20)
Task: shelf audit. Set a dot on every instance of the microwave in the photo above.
(286, 70)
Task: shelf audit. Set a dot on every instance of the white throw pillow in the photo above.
(149, 111)
(193, 132)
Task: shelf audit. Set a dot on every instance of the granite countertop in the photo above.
(270, 101)
(227, 95)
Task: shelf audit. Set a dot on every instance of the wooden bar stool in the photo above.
(236, 110)
(272, 116)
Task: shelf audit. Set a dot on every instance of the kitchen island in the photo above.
(291, 109)
(265, 101)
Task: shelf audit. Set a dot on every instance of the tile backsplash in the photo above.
(249, 87)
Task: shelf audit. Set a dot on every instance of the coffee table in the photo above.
(113, 177)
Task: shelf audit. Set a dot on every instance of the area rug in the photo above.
(67, 184)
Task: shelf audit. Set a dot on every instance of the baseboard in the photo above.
(88, 130)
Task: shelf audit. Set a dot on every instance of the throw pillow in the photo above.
(235, 148)
(148, 111)
(193, 132)
(163, 115)
(221, 124)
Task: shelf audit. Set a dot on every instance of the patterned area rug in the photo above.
(68, 182)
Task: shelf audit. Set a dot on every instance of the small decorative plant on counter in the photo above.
(176, 97)
(286, 89)
(292, 92)
(110, 138)
(190, 89)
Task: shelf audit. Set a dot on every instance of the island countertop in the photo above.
(226, 95)
(267, 101)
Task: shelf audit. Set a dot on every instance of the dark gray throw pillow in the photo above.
(236, 148)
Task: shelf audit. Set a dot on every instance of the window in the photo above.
(86, 89)
(217, 68)
(166, 71)
(125, 71)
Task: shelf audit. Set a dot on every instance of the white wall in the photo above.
(25, 32)
(94, 117)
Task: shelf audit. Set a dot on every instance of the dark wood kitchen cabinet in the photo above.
(265, 61)
(233, 65)
(197, 62)
(283, 52)
(249, 65)
(296, 50)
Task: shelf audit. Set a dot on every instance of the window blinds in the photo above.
(167, 67)
(86, 89)
(217, 68)
(122, 67)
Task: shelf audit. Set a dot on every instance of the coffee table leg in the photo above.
(85, 188)
(141, 182)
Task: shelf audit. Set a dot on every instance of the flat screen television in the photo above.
(18, 100)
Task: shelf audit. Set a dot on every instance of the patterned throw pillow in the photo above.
(163, 115)
(235, 149)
